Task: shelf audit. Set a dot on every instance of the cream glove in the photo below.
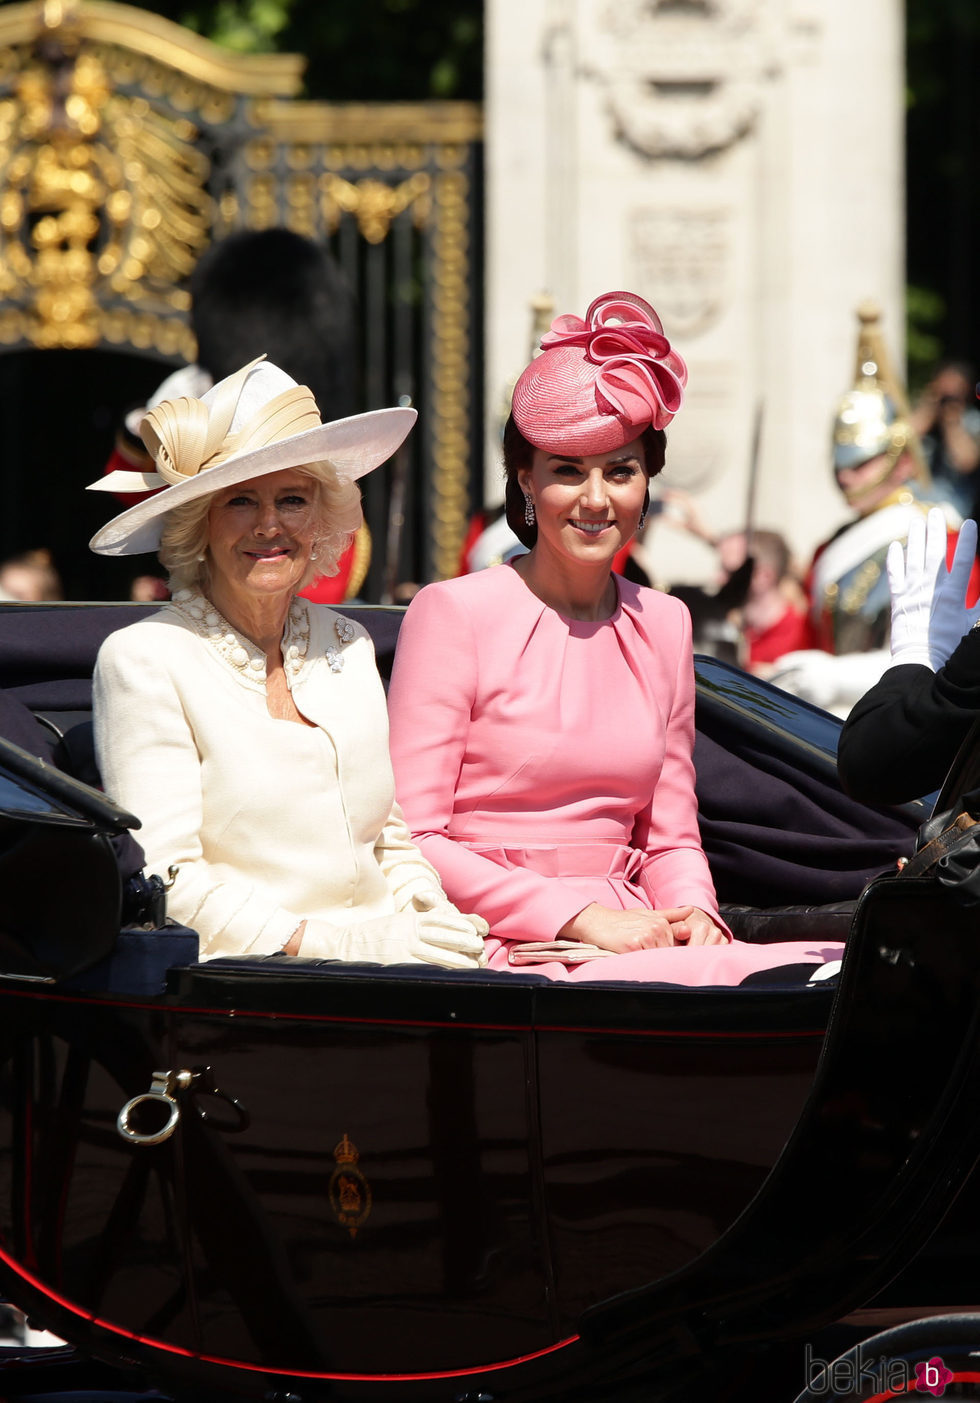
(432, 937)
(913, 569)
(438, 910)
(949, 618)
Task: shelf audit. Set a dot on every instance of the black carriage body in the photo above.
(522, 1153)
(409, 1184)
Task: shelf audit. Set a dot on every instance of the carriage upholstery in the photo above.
(790, 853)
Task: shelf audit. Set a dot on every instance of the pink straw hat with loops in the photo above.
(600, 381)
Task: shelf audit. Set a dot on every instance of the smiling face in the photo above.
(260, 535)
(587, 508)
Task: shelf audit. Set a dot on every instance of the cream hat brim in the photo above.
(353, 447)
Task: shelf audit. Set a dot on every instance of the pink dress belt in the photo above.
(609, 860)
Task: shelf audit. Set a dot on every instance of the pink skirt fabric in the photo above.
(609, 875)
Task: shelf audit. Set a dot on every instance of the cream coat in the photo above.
(267, 822)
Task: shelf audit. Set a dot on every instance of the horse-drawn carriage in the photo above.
(274, 1178)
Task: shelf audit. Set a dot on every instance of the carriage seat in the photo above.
(766, 925)
(234, 968)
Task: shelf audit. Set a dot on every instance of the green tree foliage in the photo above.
(372, 51)
(942, 181)
(925, 312)
(247, 26)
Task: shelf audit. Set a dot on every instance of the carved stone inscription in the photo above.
(680, 259)
(685, 77)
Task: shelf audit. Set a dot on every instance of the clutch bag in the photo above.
(570, 952)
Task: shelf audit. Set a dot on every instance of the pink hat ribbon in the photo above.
(602, 380)
(623, 335)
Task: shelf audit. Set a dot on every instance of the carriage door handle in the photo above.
(162, 1096)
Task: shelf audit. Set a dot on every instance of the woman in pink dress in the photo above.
(542, 712)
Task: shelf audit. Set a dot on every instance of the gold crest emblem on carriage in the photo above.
(349, 1191)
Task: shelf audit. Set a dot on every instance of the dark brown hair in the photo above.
(519, 454)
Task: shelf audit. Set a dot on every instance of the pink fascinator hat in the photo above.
(600, 381)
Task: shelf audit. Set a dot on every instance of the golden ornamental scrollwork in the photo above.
(262, 202)
(301, 192)
(137, 35)
(228, 214)
(451, 338)
(102, 198)
(375, 204)
(362, 125)
(108, 116)
(390, 156)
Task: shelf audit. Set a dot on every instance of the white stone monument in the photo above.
(740, 164)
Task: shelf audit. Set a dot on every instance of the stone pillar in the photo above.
(740, 164)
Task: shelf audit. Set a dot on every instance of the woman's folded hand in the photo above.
(619, 931)
(699, 927)
(406, 937)
(640, 929)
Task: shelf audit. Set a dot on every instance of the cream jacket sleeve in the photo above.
(150, 764)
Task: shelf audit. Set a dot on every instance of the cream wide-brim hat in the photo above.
(239, 430)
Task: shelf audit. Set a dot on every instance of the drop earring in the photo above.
(528, 509)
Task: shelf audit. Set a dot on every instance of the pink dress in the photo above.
(544, 763)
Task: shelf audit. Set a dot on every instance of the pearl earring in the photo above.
(528, 510)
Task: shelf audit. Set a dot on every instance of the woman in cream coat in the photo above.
(245, 726)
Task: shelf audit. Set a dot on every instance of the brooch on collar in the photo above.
(345, 632)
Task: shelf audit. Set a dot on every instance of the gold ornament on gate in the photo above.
(103, 201)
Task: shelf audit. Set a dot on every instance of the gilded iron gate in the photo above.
(127, 144)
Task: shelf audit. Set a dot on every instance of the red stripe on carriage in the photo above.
(781, 1035)
(161, 1345)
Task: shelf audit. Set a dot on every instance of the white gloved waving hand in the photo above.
(949, 617)
(912, 572)
(929, 613)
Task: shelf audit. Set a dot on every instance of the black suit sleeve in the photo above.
(901, 737)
